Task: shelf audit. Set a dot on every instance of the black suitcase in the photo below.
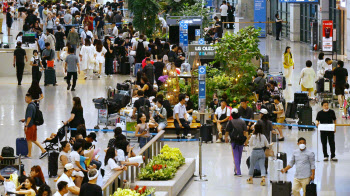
(291, 110)
(305, 117)
(311, 189)
(50, 76)
(125, 68)
(282, 156)
(281, 188)
(301, 97)
(206, 132)
(53, 163)
(265, 63)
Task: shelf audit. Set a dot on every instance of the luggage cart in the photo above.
(9, 165)
(324, 91)
(103, 117)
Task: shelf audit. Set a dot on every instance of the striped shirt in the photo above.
(304, 162)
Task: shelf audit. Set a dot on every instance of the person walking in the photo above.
(304, 161)
(307, 78)
(77, 115)
(87, 58)
(73, 38)
(36, 92)
(236, 125)
(71, 68)
(100, 56)
(18, 61)
(279, 111)
(257, 143)
(340, 78)
(30, 128)
(9, 21)
(288, 65)
(36, 64)
(109, 57)
(218, 27)
(60, 37)
(230, 15)
(223, 12)
(278, 26)
(327, 116)
(1, 19)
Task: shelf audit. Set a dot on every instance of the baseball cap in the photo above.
(69, 166)
(235, 110)
(93, 136)
(264, 111)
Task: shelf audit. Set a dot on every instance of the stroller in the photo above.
(53, 142)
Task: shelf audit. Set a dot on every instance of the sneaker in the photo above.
(325, 159)
(281, 139)
(72, 89)
(334, 159)
(44, 154)
(220, 134)
(218, 141)
(68, 87)
(238, 175)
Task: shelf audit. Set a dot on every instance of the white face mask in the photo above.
(302, 146)
(326, 110)
(186, 99)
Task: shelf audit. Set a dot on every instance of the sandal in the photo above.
(250, 181)
(262, 183)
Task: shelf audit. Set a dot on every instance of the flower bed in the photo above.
(137, 191)
(164, 165)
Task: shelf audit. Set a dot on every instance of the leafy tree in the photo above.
(196, 10)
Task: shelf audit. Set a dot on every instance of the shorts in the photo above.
(9, 24)
(78, 174)
(162, 125)
(59, 47)
(280, 120)
(339, 89)
(31, 134)
(307, 89)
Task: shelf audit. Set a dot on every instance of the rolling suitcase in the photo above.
(311, 189)
(257, 170)
(125, 68)
(206, 132)
(21, 146)
(291, 110)
(53, 163)
(281, 188)
(50, 76)
(265, 63)
(305, 117)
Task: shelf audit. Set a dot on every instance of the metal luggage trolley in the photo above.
(9, 165)
(103, 117)
(325, 94)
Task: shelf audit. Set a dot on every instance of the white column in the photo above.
(323, 14)
(347, 38)
(294, 22)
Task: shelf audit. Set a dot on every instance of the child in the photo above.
(280, 115)
(84, 161)
(36, 64)
(346, 97)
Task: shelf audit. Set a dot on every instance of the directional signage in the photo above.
(202, 70)
(198, 32)
(201, 41)
(201, 94)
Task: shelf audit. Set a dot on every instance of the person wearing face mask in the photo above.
(304, 161)
(180, 57)
(327, 116)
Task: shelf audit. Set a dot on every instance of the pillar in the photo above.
(347, 37)
(294, 22)
(323, 14)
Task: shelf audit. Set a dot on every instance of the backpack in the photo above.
(237, 137)
(38, 117)
(41, 43)
(7, 151)
(140, 52)
(144, 109)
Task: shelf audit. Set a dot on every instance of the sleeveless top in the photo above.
(144, 127)
(60, 164)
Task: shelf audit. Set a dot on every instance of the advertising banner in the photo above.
(260, 16)
(327, 35)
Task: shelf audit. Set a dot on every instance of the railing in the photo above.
(152, 148)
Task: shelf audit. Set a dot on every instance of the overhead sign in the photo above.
(260, 16)
(327, 35)
(198, 32)
(201, 41)
(183, 33)
(299, 1)
(202, 70)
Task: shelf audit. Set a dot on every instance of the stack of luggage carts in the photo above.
(108, 108)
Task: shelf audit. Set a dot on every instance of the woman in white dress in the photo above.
(88, 58)
(100, 56)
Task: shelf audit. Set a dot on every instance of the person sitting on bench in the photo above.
(222, 115)
(180, 117)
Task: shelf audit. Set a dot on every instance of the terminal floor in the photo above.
(331, 178)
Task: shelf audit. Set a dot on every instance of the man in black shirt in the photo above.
(246, 112)
(327, 116)
(114, 5)
(148, 70)
(172, 56)
(340, 77)
(140, 102)
(91, 188)
(218, 27)
(18, 61)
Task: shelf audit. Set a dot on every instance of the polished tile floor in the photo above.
(331, 178)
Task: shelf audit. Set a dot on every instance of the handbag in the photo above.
(269, 152)
(133, 53)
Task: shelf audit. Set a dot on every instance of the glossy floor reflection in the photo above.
(331, 178)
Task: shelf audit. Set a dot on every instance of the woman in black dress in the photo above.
(77, 115)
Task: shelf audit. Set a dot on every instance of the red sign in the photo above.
(327, 41)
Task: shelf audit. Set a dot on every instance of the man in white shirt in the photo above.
(222, 114)
(62, 189)
(73, 10)
(67, 177)
(307, 78)
(181, 117)
(86, 34)
(223, 12)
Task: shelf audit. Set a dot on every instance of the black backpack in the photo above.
(236, 136)
(38, 117)
(8, 151)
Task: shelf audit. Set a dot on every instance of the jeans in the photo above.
(237, 157)
(185, 124)
(19, 70)
(75, 48)
(330, 136)
(144, 141)
(257, 156)
(99, 33)
(75, 77)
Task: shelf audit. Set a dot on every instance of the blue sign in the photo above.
(299, 1)
(181, 23)
(198, 32)
(210, 3)
(260, 16)
(202, 70)
(201, 41)
(185, 26)
(201, 86)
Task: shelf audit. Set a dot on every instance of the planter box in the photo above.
(175, 185)
(161, 193)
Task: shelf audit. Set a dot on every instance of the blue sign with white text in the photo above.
(260, 16)
(201, 86)
(201, 41)
(198, 32)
